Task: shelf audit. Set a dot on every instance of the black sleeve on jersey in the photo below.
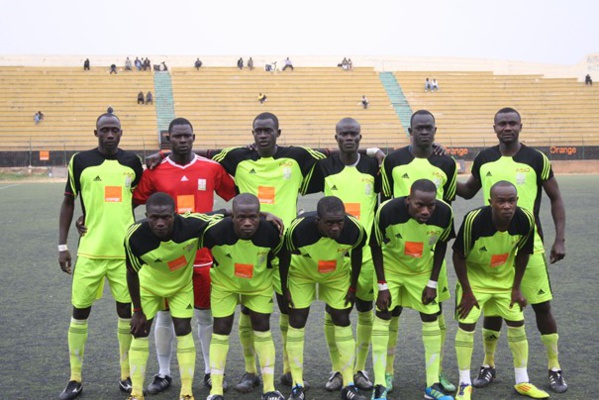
(230, 157)
(132, 160)
(443, 217)
(487, 155)
(305, 157)
(316, 183)
(523, 224)
(393, 159)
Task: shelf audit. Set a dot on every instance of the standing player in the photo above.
(160, 256)
(243, 247)
(490, 256)
(316, 258)
(356, 181)
(401, 168)
(104, 178)
(408, 249)
(191, 181)
(530, 170)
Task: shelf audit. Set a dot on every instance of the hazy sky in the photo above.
(548, 31)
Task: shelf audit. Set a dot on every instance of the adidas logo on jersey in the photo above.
(253, 171)
(157, 260)
(228, 255)
(184, 179)
(483, 248)
(406, 176)
(398, 235)
(189, 307)
(334, 187)
(489, 173)
(541, 292)
(307, 255)
(97, 179)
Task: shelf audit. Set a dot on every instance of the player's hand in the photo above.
(276, 221)
(380, 156)
(467, 303)
(251, 146)
(80, 225)
(288, 298)
(428, 295)
(64, 259)
(439, 150)
(350, 297)
(518, 298)
(153, 160)
(139, 324)
(383, 300)
(558, 251)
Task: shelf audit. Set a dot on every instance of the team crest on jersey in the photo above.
(262, 257)
(520, 178)
(433, 239)
(201, 184)
(437, 182)
(190, 247)
(128, 179)
(368, 189)
(287, 173)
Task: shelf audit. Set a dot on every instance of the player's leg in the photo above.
(182, 311)
(443, 294)
(223, 310)
(164, 335)
(335, 381)
(364, 307)
(246, 337)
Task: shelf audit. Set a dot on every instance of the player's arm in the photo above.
(430, 290)
(468, 189)
(558, 213)
(284, 262)
(468, 300)
(138, 319)
(67, 209)
(383, 300)
(356, 266)
(520, 267)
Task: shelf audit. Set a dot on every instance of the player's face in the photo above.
(109, 132)
(161, 219)
(504, 200)
(265, 133)
(331, 224)
(421, 205)
(182, 138)
(246, 218)
(423, 130)
(507, 127)
(348, 136)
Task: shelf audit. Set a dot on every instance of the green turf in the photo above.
(36, 310)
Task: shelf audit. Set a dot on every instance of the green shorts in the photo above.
(366, 280)
(536, 286)
(223, 301)
(443, 292)
(492, 304)
(88, 281)
(180, 303)
(331, 291)
(406, 291)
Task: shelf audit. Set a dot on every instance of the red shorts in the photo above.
(201, 287)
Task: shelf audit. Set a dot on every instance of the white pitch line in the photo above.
(9, 186)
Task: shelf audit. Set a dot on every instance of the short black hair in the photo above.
(329, 204)
(179, 121)
(160, 199)
(267, 115)
(421, 112)
(502, 184)
(107, 114)
(423, 185)
(246, 199)
(507, 110)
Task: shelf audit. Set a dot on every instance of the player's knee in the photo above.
(514, 324)
(123, 310)
(363, 305)
(223, 326)
(397, 311)
(493, 323)
(83, 313)
(428, 317)
(543, 308)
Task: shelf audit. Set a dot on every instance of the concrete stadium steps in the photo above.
(555, 111)
(222, 103)
(71, 100)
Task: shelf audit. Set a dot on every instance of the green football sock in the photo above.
(443, 328)
(393, 332)
(124, 337)
(518, 344)
(284, 327)
(138, 357)
(265, 348)
(363, 338)
(295, 352)
(77, 337)
(380, 339)
(329, 335)
(346, 344)
(186, 355)
(219, 347)
(490, 340)
(246, 337)
(431, 337)
(550, 341)
(464, 344)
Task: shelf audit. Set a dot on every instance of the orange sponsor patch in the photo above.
(177, 263)
(413, 249)
(185, 203)
(266, 194)
(326, 266)
(498, 260)
(244, 270)
(113, 194)
(353, 209)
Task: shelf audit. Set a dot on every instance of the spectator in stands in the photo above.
(137, 63)
(288, 64)
(128, 66)
(197, 64)
(364, 102)
(147, 64)
(434, 86)
(427, 85)
(38, 117)
(240, 63)
(86, 64)
(113, 69)
(270, 67)
(251, 63)
(344, 64)
(110, 110)
(350, 64)
(149, 98)
(164, 68)
(140, 98)
(262, 98)
(588, 81)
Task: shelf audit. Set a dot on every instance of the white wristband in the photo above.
(383, 286)
(432, 284)
(62, 247)
(371, 151)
